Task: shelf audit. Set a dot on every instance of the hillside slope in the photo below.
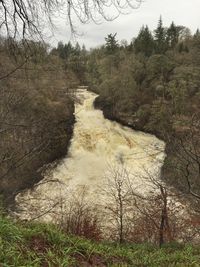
(35, 245)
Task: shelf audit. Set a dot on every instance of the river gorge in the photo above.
(97, 148)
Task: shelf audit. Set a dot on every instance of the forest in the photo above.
(150, 84)
(36, 113)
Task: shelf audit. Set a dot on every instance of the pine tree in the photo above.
(160, 38)
(77, 49)
(144, 43)
(111, 43)
(196, 39)
(172, 35)
(65, 51)
(68, 49)
(197, 34)
(60, 49)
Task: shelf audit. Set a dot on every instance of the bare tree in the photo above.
(25, 18)
(117, 198)
(185, 150)
(79, 216)
(25, 141)
(153, 205)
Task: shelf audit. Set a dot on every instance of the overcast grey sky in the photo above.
(182, 12)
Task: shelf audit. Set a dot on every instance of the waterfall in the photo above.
(97, 144)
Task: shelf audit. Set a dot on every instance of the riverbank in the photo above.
(42, 143)
(138, 124)
(36, 114)
(37, 245)
(124, 118)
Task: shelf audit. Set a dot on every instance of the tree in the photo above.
(79, 216)
(83, 51)
(144, 43)
(197, 34)
(27, 18)
(117, 193)
(184, 33)
(160, 38)
(160, 118)
(35, 115)
(196, 39)
(186, 163)
(160, 67)
(111, 43)
(60, 49)
(77, 49)
(172, 35)
(156, 214)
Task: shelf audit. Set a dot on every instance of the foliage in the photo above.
(73, 58)
(36, 115)
(25, 244)
(111, 43)
(151, 84)
(144, 42)
(160, 38)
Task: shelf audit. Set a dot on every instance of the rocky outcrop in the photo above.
(125, 118)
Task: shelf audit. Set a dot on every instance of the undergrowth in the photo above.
(35, 244)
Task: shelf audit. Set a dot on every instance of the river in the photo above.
(97, 146)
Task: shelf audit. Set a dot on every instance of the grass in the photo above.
(35, 245)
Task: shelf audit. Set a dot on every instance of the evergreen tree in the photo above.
(131, 46)
(197, 34)
(172, 35)
(111, 43)
(160, 38)
(77, 49)
(196, 40)
(83, 50)
(60, 49)
(144, 43)
(69, 49)
(64, 51)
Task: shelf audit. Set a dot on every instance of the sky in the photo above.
(182, 12)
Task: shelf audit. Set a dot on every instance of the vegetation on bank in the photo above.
(36, 114)
(152, 84)
(27, 244)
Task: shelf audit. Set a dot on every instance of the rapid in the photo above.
(97, 144)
